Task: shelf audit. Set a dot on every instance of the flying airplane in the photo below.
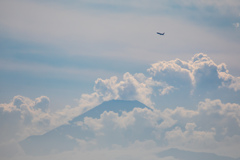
(160, 33)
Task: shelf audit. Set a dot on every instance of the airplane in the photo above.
(160, 33)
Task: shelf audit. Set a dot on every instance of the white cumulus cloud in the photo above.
(211, 123)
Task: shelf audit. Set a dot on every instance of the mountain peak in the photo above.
(57, 139)
(117, 106)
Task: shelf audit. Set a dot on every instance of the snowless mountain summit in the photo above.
(63, 137)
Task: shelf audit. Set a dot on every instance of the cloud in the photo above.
(213, 127)
(226, 117)
(23, 117)
(200, 72)
(208, 128)
(236, 25)
(132, 87)
(222, 6)
(48, 70)
(196, 79)
(199, 128)
(75, 22)
(199, 77)
(190, 138)
(173, 72)
(235, 83)
(10, 149)
(209, 124)
(136, 151)
(187, 82)
(42, 103)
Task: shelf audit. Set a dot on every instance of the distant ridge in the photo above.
(189, 155)
(57, 140)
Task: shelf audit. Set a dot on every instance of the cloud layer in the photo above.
(189, 110)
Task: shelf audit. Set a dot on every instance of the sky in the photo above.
(59, 59)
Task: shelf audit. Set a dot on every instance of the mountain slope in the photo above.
(62, 138)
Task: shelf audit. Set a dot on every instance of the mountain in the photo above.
(189, 155)
(62, 138)
(117, 106)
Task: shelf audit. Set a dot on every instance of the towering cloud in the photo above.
(199, 73)
(188, 82)
(132, 87)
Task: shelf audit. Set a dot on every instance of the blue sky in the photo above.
(72, 40)
(81, 53)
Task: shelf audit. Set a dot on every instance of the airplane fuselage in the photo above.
(160, 33)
